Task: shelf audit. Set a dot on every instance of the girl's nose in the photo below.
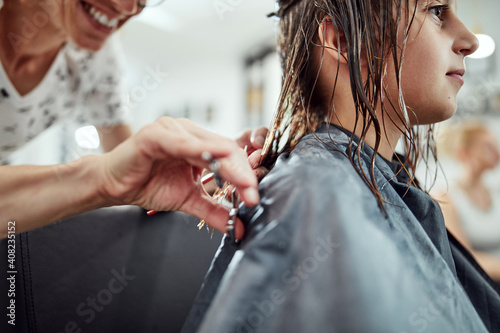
(466, 42)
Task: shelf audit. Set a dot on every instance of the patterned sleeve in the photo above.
(103, 92)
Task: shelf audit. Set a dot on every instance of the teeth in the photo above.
(101, 17)
(103, 20)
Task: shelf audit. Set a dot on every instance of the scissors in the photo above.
(233, 213)
(214, 167)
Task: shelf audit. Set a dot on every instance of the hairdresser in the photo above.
(57, 64)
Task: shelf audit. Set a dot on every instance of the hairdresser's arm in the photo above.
(158, 168)
(112, 136)
(490, 264)
(34, 196)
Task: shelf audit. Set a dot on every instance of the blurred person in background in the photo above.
(471, 207)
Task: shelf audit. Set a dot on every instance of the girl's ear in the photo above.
(333, 41)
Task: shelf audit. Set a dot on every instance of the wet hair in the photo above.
(371, 29)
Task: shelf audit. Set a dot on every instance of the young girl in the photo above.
(344, 239)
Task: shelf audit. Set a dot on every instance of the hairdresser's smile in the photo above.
(99, 18)
(89, 23)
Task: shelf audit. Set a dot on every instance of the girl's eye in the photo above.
(438, 11)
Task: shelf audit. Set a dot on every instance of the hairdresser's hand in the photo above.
(254, 140)
(159, 168)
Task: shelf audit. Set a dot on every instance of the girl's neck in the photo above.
(389, 136)
(343, 112)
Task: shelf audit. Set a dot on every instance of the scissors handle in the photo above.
(205, 179)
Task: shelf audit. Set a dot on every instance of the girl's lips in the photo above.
(457, 75)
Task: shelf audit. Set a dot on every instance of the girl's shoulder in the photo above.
(311, 180)
(314, 164)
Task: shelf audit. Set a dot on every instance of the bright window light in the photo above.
(486, 47)
(87, 137)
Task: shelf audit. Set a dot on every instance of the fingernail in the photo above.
(260, 140)
(252, 196)
(260, 173)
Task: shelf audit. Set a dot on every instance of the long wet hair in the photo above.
(371, 30)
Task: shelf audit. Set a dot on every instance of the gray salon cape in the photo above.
(320, 256)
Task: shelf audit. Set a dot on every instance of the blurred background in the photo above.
(218, 67)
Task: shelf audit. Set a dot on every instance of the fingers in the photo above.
(258, 137)
(254, 160)
(236, 170)
(260, 173)
(252, 138)
(213, 213)
(182, 139)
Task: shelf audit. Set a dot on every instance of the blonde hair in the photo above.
(461, 136)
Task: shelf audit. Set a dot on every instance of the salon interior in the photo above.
(218, 66)
(214, 62)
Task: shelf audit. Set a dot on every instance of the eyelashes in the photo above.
(438, 11)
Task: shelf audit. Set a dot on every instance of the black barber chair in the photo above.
(110, 270)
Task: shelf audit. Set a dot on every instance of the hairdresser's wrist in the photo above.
(86, 177)
(81, 186)
(103, 194)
